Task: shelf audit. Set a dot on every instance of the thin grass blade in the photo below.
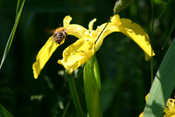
(10, 39)
(4, 112)
(74, 94)
(171, 30)
(165, 8)
(19, 3)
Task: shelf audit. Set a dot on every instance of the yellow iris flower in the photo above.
(89, 41)
(146, 98)
(170, 108)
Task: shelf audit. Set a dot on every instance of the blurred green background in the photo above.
(125, 75)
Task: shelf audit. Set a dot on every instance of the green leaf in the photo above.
(163, 85)
(4, 112)
(92, 87)
(171, 30)
(19, 3)
(10, 39)
(120, 4)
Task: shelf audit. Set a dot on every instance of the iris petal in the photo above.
(76, 30)
(91, 23)
(132, 30)
(66, 21)
(77, 54)
(43, 56)
(109, 29)
(137, 34)
(170, 108)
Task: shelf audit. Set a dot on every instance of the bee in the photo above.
(59, 35)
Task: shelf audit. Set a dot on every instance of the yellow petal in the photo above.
(146, 97)
(170, 108)
(137, 34)
(77, 54)
(130, 29)
(66, 21)
(116, 20)
(109, 29)
(91, 23)
(141, 115)
(43, 56)
(73, 29)
(76, 30)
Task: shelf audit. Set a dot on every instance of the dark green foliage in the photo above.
(125, 75)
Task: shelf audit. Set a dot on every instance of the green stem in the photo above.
(151, 70)
(67, 106)
(152, 36)
(74, 94)
(92, 87)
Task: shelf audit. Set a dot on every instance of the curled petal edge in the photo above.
(77, 54)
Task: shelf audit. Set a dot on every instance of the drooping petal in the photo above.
(138, 35)
(77, 54)
(132, 30)
(109, 29)
(43, 56)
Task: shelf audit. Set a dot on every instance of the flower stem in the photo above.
(152, 37)
(92, 87)
(74, 94)
(67, 106)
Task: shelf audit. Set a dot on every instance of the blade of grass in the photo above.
(152, 37)
(163, 85)
(67, 106)
(19, 3)
(74, 94)
(10, 39)
(4, 112)
(171, 30)
(165, 8)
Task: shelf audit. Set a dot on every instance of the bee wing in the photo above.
(50, 31)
